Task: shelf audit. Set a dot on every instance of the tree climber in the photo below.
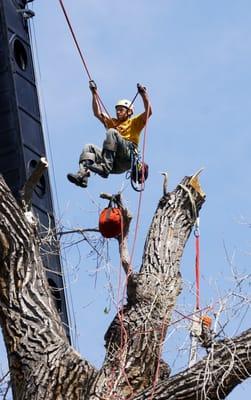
(122, 138)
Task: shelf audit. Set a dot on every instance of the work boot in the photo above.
(99, 169)
(80, 178)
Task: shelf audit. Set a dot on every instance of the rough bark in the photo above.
(134, 339)
(44, 366)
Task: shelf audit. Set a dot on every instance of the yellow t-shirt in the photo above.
(129, 129)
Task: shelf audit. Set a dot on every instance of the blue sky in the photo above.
(194, 57)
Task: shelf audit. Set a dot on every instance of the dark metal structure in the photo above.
(21, 135)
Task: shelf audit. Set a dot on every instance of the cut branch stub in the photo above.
(32, 181)
(170, 228)
(125, 225)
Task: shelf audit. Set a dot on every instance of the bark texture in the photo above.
(134, 339)
(44, 366)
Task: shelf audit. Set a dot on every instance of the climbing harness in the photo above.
(111, 220)
(138, 173)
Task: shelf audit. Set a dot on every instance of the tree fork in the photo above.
(135, 337)
(44, 365)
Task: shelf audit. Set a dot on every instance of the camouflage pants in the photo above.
(114, 145)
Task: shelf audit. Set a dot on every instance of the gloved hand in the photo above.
(141, 88)
(92, 86)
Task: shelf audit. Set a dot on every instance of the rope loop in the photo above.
(137, 174)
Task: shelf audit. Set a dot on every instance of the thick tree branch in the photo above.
(227, 365)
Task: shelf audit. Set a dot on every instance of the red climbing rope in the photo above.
(80, 52)
(75, 38)
(124, 335)
(142, 185)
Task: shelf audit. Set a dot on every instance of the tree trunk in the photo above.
(44, 366)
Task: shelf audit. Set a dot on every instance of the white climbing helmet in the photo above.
(125, 103)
